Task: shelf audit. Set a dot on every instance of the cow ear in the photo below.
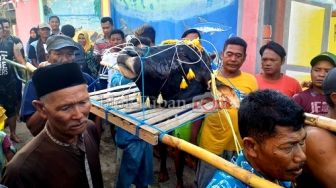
(189, 54)
(212, 56)
(182, 53)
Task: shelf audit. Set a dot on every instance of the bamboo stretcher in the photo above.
(118, 105)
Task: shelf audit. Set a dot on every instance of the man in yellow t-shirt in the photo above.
(216, 135)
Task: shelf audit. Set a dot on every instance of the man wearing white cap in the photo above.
(37, 49)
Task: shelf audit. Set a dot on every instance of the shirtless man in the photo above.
(321, 145)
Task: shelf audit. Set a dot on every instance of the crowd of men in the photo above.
(55, 105)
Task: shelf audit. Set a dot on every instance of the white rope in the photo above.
(200, 59)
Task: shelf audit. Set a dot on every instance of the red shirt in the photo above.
(101, 45)
(312, 102)
(286, 85)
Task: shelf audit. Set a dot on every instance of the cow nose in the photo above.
(122, 58)
(127, 48)
(130, 51)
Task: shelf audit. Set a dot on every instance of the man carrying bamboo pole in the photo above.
(312, 99)
(321, 145)
(219, 133)
(10, 85)
(271, 126)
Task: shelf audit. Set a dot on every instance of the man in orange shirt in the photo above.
(272, 58)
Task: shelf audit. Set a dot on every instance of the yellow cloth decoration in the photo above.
(195, 43)
(191, 75)
(170, 41)
(147, 102)
(159, 99)
(183, 84)
(2, 125)
(3, 117)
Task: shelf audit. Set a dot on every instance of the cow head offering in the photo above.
(165, 70)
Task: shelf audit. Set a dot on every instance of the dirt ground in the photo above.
(109, 162)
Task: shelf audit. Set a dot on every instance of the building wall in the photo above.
(105, 8)
(30, 13)
(27, 16)
(249, 31)
(216, 20)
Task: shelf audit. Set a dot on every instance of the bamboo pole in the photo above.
(15, 64)
(320, 121)
(28, 66)
(218, 162)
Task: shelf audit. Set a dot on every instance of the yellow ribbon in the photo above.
(183, 84)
